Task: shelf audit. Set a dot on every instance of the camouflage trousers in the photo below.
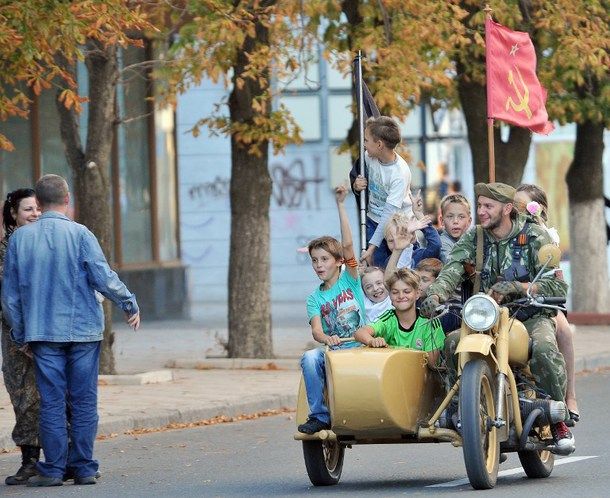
(546, 364)
(20, 381)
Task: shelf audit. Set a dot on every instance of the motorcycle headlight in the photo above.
(480, 312)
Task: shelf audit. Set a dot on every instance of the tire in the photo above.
(537, 464)
(323, 461)
(481, 446)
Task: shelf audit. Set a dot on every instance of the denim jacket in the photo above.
(51, 272)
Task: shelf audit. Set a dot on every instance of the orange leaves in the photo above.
(39, 37)
(70, 99)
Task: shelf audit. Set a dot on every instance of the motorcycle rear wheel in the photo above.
(481, 445)
(538, 464)
(323, 461)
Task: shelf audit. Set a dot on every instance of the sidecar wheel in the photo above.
(480, 443)
(323, 461)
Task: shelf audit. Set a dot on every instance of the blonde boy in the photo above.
(456, 219)
(402, 326)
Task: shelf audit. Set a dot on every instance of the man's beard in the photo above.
(494, 223)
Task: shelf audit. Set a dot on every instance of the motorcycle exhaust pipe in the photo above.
(555, 411)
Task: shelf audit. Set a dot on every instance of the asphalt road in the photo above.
(260, 458)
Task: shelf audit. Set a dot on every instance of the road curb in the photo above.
(592, 362)
(159, 418)
(236, 364)
(151, 377)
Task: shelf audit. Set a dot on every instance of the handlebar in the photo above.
(551, 300)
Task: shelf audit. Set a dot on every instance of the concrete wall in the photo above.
(302, 208)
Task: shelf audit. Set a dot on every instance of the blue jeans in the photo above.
(382, 253)
(66, 374)
(314, 375)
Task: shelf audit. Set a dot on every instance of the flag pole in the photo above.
(360, 101)
(490, 120)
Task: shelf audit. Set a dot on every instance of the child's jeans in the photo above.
(382, 253)
(314, 375)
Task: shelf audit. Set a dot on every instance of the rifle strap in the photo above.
(478, 260)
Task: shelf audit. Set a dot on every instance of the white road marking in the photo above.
(509, 472)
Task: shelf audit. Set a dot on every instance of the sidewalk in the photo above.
(207, 387)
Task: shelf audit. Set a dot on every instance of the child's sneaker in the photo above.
(564, 439)
(312, 426)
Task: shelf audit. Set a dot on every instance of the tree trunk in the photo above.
(588, 259)
(250, 191)
(90, 165)
(510, 156)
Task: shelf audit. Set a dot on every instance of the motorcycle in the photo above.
(391, 396)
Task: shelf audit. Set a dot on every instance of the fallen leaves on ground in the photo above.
(221, 419)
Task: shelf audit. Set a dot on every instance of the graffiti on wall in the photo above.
(293, 187)
(296, 184)
(215, 189)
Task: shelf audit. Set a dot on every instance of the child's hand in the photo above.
(403, 238)
(367, 256)
(333, 340)
(362, 265)
(340, 193)
(360, 183)
(377, 342)
(417, 203)
(418, 224)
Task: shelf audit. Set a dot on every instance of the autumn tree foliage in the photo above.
(243, 44)
(41, 42)
(418, 50)
(576, 69)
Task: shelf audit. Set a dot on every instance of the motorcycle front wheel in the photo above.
(480, 439)
(323, 461)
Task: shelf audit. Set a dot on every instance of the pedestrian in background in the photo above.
(19, 209)
(52, 270)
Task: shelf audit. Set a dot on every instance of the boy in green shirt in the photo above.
(402, 326)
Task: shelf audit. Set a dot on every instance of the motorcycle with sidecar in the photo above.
(391, 396)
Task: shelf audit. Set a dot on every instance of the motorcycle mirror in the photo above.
(549, 255)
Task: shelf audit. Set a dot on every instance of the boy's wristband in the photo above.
(351, 262)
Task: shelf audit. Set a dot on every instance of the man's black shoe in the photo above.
(85, 480)
(312, 426)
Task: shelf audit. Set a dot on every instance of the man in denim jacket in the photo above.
(52, 269)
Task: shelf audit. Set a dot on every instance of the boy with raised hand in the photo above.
(388, 184)
(335, 311)
(402, 326)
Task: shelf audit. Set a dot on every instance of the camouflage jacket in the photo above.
(498, 257)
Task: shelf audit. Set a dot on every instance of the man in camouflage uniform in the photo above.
(507, 277)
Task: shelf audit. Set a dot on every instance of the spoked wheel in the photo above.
(323, 461)
(480, 439)
(538, 464)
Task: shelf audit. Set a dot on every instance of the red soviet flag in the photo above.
(514, 93)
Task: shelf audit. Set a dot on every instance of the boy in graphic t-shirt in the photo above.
(388, 184)
(402, 326)
(335, 311)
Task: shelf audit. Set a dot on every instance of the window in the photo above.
(16, 166)
(133, 158)
(143, 170)
(52, 155)
(340, 116)
(306, 111)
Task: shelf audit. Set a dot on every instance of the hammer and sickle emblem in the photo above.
(523, 98)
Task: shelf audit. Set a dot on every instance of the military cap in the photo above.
(498, 191)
